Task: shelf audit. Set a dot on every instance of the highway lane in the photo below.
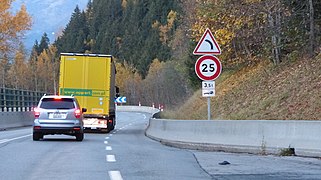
(138, 157)
(56, 157)
(125, 153)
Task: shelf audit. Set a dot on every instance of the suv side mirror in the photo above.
(83, 109)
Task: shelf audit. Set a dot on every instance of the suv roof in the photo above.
(58, 102)
(56, 96)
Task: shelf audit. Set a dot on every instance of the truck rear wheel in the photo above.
(111, 125)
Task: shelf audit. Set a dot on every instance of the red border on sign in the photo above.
(199, 62)
(196, 50)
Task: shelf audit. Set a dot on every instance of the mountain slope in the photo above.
(290, 91)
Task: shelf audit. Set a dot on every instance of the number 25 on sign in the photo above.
(208, 67)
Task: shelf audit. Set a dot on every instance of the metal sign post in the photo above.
(208, 90)
(209, 108)
(208, 67)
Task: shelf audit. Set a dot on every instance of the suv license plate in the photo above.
(57, 116)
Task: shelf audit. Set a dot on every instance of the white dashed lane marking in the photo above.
(110, 158)
(115, 175)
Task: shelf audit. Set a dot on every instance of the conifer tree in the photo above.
(44, 43)
(75, 34)
(123, 29)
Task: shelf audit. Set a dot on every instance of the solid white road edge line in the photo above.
(8, 140)
(115, 175)
(110, 158)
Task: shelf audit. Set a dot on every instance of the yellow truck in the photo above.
(91, 79)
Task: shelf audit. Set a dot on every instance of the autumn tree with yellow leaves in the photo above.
(46, 71)
(129, 81)
(163, 85)
(18, 74)
(13, 67)
(12, 25)
(260, 29)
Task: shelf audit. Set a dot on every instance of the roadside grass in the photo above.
(289, 91)
(287, 152)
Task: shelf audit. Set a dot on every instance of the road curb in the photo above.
(216, 147)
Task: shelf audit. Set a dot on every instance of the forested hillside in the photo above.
(135, 31)
(139, 34)
(153, 41)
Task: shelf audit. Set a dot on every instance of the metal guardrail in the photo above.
(12, 100)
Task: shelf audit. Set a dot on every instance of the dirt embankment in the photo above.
(289, 91)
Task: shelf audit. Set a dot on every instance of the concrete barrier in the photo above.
(16, 119)
(12, 118)
(145, 109)
(250, 136)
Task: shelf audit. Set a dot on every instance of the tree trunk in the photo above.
(273, 38)
(274, 19)
(278, 35)
(312, 33)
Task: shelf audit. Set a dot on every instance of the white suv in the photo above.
(58, 115)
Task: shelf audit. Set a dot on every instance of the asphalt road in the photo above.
(126, 153)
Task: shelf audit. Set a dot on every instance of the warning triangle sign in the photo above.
(207, 45)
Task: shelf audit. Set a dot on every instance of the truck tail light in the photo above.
(37, 112)
(104, 122)
(77, 113)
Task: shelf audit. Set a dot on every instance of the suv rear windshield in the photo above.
(52, 103)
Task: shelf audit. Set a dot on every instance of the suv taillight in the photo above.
(37, 112)
(77, 113)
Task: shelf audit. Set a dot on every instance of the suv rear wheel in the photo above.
(37, 136)
(80, 136)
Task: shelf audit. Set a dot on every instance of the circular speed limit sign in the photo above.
(208, 67)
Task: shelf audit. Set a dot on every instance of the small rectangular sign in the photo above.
(208, 84)
(208, 88)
